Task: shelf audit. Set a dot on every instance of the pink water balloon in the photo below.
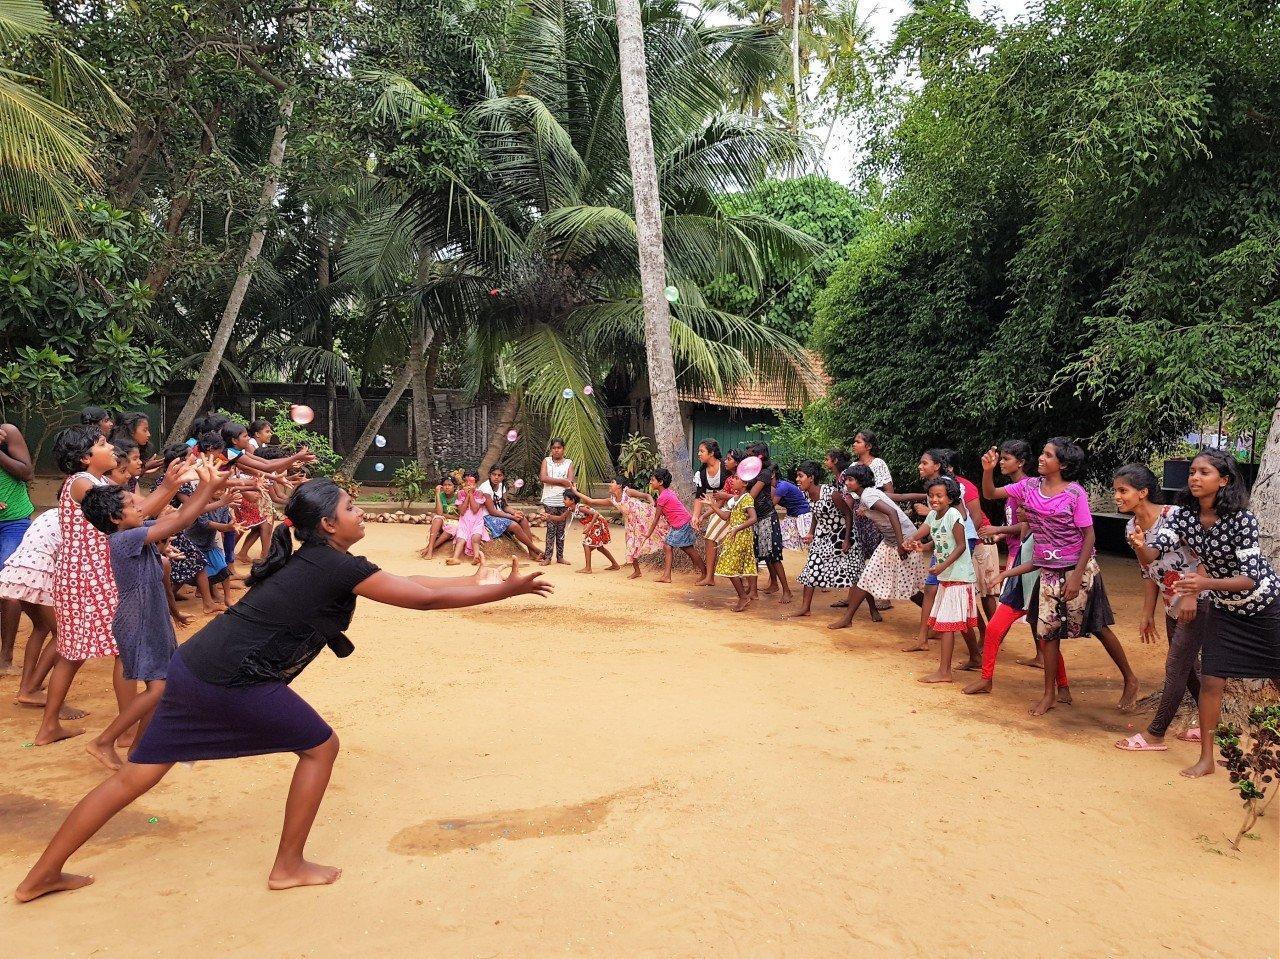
(512, 436)
(750, 468)
(302, 415)
(518, 484)
(587, 390)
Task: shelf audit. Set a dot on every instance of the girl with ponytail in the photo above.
(228, 689)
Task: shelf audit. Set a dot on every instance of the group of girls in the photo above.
(1200, 558)
(225, 692)
(88, 599)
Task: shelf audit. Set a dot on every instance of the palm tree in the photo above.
(553, 220)
(45, 143)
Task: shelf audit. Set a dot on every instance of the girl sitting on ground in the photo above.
(445, 521)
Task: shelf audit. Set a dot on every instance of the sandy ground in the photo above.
(629, 770)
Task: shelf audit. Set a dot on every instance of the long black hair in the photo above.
(1140, 477)
(1232, 498)
(868, 437)
(840, 458)
(1019, 450)
(945, 458)
(1070, 455)
(126, 426)
(713, 448)
(312, 502)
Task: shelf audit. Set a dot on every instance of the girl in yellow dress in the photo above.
(737, 550)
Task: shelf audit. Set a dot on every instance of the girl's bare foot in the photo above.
(769, 590)
(182, 619)
(786, 598)
(1202, 768)
(457, 562)
(843, 623)
(634, 575)
(916, 648)
(37, 700)
(583, 570)
(798, 614)
(303, 874)
(742, 604)
(1036, 663)
(663, 579)
(978, 688)
(970, 667)
(1064, 695)
(938, 677)
(544, 562)
(875, 614)
(563, 562)
(210, 609)
(55, 735)
(35, 887)
(1047, 703)
(1130, 695)
(105, 754)
(127, 739)
(610, 569)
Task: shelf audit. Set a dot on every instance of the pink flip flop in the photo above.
(1136, 744)
(1191, 735)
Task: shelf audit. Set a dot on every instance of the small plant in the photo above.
(1252, 757)
(348, 483)
(410, 482)
(636, 456)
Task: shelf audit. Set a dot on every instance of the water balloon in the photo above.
(567, 394)
(379, 467)
(749, 468)
(512, 436)
(379, 440)
(300, 414)
(588, 390)
(672, 294)
(518, 484)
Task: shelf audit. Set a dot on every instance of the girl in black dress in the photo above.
(228, 689)
(1242, 625)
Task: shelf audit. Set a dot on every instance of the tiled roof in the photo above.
(765, 394)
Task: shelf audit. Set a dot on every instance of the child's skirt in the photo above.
(888, 576)
(215, 564)
(768, 536)
(496, 525)
(26, 585)
(737, 556)
(186, 560)
(249, 512)
(595, 532)
(791, 532)
(683, 537)
(717, 528)
(955, 608)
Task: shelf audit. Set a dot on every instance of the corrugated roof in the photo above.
(764, 394)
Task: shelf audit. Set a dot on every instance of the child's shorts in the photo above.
(682, 537)
(215, 565)
(930, 579)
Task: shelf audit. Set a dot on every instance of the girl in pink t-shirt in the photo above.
(682, 536)
(1057, 511)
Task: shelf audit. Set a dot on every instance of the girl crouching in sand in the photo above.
(228, 691)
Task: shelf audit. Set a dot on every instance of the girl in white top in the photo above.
(865, 447)
(28, 578)
(556, 475)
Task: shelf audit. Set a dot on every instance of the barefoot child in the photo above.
(1137, 493)
(737, 552)
(892, 571)
(16, 471)
(142, 626)
(682, 536)
(502, 521)
(473, 506)
(84, 591)
(595, 529)
(1242, 621)
(445, 521)
(955, 605)
(833, 562)
(768, 533)
(556, 475)
(227, 693)
(709, 478)
(637, 512)
(1057, 512)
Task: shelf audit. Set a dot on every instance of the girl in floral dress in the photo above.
(835, 559)
(595, 528)
(84, 589)
(737, 551)
(636, 508)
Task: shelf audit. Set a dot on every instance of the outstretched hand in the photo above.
(527, 583)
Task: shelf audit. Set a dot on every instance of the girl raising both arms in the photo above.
(228, 694)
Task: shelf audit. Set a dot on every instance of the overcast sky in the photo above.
(883, 14)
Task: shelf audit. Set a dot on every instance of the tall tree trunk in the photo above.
(1265, 501)
(667, 427)
(401, 383)
(498, 435)
(796, 90)
(424, 385)
(218, 348)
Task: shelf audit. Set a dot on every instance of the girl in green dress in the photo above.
(737, 550)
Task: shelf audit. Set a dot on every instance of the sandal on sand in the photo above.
(1191, 735)
(1136, 744)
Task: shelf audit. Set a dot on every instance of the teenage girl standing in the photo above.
(556, 475)
(228, 694)
(16, 508)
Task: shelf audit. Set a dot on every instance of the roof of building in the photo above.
(765, 393)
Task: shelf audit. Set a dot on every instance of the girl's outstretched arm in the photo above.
(384, 587)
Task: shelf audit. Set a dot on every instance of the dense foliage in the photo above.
(830, 213)
(1080, 230)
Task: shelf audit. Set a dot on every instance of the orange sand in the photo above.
(628, 770)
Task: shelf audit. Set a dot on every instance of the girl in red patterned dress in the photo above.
(84, 590)
(595, 528)
(250, 514)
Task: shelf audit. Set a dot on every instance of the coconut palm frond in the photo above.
(44, 149)
(20, 19)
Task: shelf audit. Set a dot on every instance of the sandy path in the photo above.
(618, 772)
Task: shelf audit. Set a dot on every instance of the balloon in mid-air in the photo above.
(518, 484)
(567, 394)
(588, 390)
(379, 467)
(379, 440)
(512, 436)
(302, 415)
(672, 294)
(750, 468)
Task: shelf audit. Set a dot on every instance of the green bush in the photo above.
(410, 481)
